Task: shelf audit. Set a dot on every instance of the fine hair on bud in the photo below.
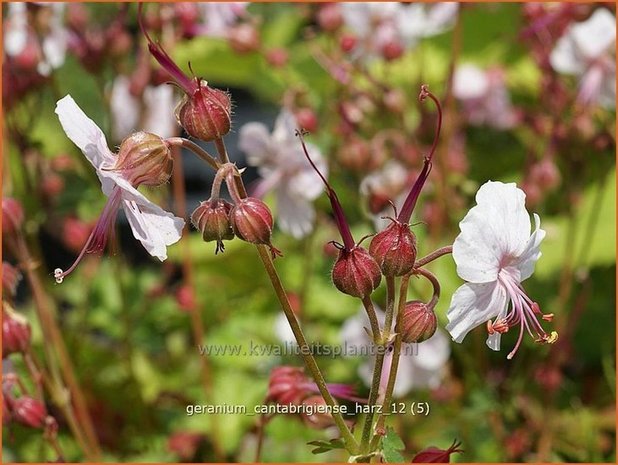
(145, 158)
(419, 322)
(212, 219)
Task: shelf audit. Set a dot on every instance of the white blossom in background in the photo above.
(219, 17)
(285, 170)
(151, 225)
(421, 365)
(587, 50)
(377, 24)
(494, 253)
(150, 113)
(51, 47)
(389, 182)
(484, 96)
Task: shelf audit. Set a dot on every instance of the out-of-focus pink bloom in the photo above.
(383, 27)
(421, 365)
(218, 18)
(284, 169)
(435, 455)
(484, 96)
(586, 50)
(151, 225)
(151, 110)
(389, 183)
(75, 233)
(19, 36)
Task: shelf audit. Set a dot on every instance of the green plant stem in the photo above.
(70, 397)
(392, 376)
(433, 255)
(374, 393)
(265, 256)
(193, 147)
(373, 319)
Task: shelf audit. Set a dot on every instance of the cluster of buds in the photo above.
(248, 218)
(16, 332)
(290, 386)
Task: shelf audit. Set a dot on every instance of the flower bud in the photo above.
(419, 322)
(434, 455)
(10, 278)
(392, 50)
(356, 273)
(185, 298)
(394, 249)
(252, 222)
(347, 43)
(12, 215)
(244, 38)
(307, 119)
(329, 17)
(288, 385)
(145, 158)
(206, 114)
(16, 332)
(212, 219)
(29, 412)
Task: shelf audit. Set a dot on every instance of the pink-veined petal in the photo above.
(473, 305)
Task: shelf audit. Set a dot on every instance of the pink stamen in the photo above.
(100, 234)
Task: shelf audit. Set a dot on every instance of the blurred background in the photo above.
(528, 93)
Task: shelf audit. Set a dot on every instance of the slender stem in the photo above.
(434, 282)
(196, 149)
(392, 376)
(373, 319)
(82, 421)
(263, 251)
(379, 364)
(197, 323)
(433, 255)
(310, 363)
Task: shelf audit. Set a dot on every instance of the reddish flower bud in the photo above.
(52, 185)
(356, 273)
(29, 412)
(329, 17)
(394, 249)
(392, 50)
(12, 215)
(145, 158)
(307, 119)
(75, 233)
(212, 219)
(185, 297)
(355, 154)
(347, 43)
(319, 417)
(185, 444)
(252, 222)
(288, 385)
(16, 333)
(206, 113)
(435, 455)
(277, 57)
(10, 278)
(419, 322)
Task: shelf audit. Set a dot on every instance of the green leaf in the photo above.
(391, 445)
(325, 446)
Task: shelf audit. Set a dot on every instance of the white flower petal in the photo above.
(595, 35)
(295, 215)
(158, 119)
(254, 140)
(527, 260)
(472, 305)
(151, 225)
(440, 17)
(283, 331)
(470, 82)
(493, 341)
(124, 107)
(434, 352)
(495, 230)
(16, 29)
(565, 57)
(84, 133)
(285, 128)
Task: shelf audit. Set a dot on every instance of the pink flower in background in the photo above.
(151, 225)
(284, 170)
(421, 365)
(149, 113)
(218, 18)
(484, 96)
(494, 253)
(586, 50)
(388, 28)
(48, 51)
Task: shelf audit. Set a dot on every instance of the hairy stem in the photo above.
(433, 255)
(193, 147)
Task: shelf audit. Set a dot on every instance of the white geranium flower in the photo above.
(421, 365)
(284, 168)
(586, 50)
(218, 18)
(124, 107)
(151, 225)
(484, 96)
(494, 253)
